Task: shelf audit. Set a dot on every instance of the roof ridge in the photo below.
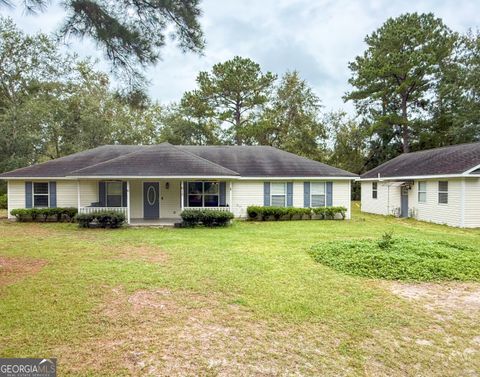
(438, 148)
(202, 158)
(112, 159)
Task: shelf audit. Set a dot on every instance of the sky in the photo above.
(315, 37)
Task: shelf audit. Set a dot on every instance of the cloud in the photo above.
(317, 38)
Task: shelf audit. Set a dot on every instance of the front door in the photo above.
(151, 200)
(404, 202)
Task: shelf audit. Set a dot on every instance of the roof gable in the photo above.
(156, 161)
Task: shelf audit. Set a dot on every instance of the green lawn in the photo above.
(243, 300)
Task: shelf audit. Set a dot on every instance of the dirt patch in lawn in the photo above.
(178, 333)
(443, 300)
(13, 270)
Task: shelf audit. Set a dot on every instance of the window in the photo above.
(374, 190)
(422, 192)
(203, 194)
(278, 194)
(443, 192)
(40, 194)
(317, 194)
(114, 194)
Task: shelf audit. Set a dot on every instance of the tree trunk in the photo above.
(405, 130)
(238, 121)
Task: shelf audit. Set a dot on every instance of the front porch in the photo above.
(152, 202)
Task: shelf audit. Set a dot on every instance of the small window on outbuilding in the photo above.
(422, 192)
(374, 190)
(443, 192)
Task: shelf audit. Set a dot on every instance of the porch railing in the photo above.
(123, 210)
(225, 209)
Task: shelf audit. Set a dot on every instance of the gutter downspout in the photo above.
(128, 202)
(462, 203)
(78, 195)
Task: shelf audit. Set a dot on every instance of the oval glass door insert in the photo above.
(151, 195)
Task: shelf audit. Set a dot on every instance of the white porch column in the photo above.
(230, 203)
(182, 204)
(128, 202)
(78, 196)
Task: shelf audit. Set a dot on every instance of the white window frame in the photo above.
(47, 195)
(442, 192)
(277, 195)
(107, 183)
(312, 194)
(203, 194)
(375, 190)
(424, 191)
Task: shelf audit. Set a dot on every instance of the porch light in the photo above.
(167, 185)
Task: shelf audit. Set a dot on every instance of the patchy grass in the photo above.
(401, 259)
(243, 300)
(3, 213)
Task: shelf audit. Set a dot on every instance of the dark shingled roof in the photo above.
(456, 159)
(61, 167)
(264, 161)
(169, 160)
(156, 160)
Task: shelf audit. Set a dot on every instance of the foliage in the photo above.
(102, 219)
(349, 148)
(206, 217)
(52, 214)
(292, 120)
(386, 241)
(52, 105)
(290, 213)
(403, 258)
(231, 94)
(3, 201)
(130, 32)
(394, 78)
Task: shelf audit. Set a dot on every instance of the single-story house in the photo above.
(153, 184)
(439, 185)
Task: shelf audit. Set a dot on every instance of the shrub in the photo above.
(102, 219)
(289, 213)
(32, 214)
(386, 241)
(21, 214)
(206, 217)
(405, 259)
(3, 201)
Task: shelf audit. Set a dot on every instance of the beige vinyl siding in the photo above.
(88, 193)
(472, 203)
(387, 202)
(297, 194)
(16, 196)
(170, 204)
(431, 210)
(246, 193)
(136, 199)
(341, 195)
(67, 194)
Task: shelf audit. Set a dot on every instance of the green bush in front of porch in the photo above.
(206, 217)
(101, 219)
